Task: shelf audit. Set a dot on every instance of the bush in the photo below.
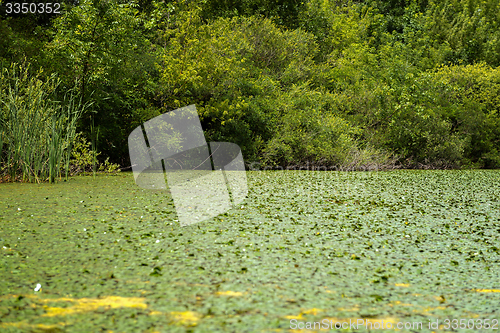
(83, 158)
(446, 118)
(474, 90)
(309, 132)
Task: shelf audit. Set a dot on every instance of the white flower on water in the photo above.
(84, 229)
(38, 287)
(18, 208)
(157, 241)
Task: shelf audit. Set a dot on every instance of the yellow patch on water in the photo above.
(402, 284)
(18, 324)
(187, 318)
(488, 290)
(154, 313)
(440, 299)
(61, 299)
(431, 309)
(400, 304)
(229, 293)
(295, 317)
(25, 325)
(90, 304)
(312, 311)
(354, 308)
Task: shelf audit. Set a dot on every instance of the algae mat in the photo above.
(331, 248)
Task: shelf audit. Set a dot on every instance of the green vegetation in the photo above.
(338, 85)
(36, 132)
(349, 85)
(409, 246)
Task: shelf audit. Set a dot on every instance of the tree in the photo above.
(103, 45)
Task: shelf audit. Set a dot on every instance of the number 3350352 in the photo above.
(33, 8)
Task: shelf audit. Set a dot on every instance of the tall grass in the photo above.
(94, 132)
(36, 131)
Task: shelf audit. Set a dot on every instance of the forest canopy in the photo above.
(351, 85)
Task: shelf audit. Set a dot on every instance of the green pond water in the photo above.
(107, 256)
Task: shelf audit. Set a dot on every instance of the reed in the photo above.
(95, 136)
(36, 131)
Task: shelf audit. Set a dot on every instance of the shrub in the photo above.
(82, 158)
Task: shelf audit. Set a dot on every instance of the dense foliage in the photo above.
(338, 84)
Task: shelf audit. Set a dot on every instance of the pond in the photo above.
(376, 248)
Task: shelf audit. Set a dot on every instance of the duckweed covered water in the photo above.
(401, 246)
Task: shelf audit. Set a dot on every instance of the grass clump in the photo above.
(37, 131)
